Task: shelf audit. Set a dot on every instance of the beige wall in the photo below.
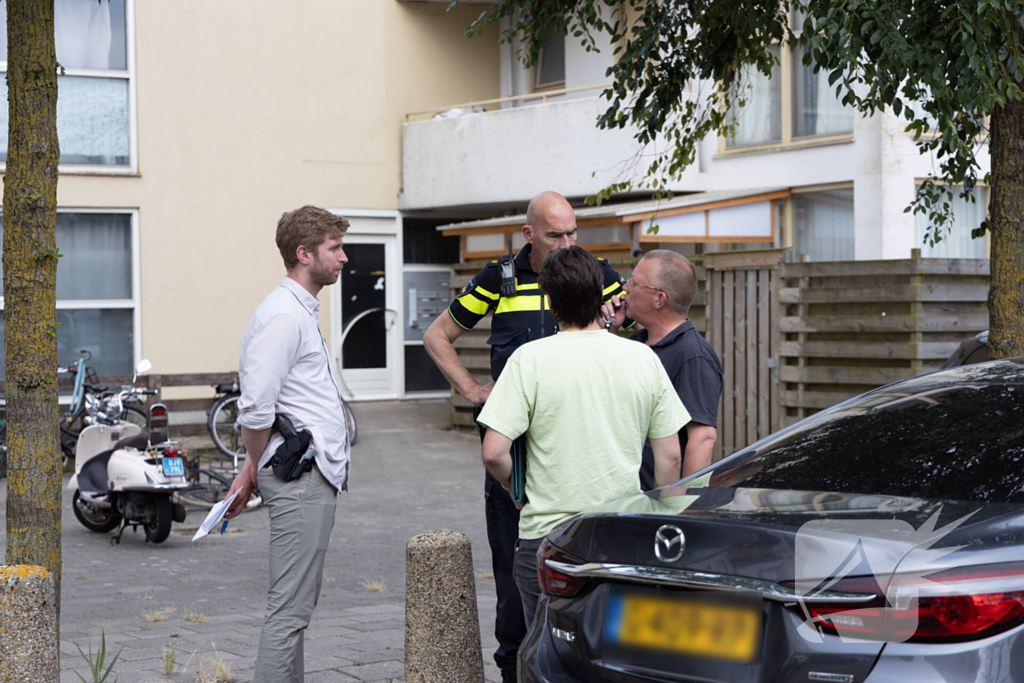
(247, 109)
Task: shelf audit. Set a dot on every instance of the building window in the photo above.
(759, 120)
(794, 104)
(956, 242)
(815, 108)
(94, 94)
(97, 297)
(422, 243)
(550, 68)
(823, 225)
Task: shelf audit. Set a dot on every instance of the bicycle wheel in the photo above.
(136, 416)
(350, 423)
(224, 428)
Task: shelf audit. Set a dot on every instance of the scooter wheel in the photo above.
(159, 529)
(97, 520)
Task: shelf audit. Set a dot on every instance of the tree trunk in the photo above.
(30, 269)
(1006, 226)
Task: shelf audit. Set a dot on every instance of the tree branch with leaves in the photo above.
(946, 67)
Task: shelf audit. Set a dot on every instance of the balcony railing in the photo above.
(539, 95)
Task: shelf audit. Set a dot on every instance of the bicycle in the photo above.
(227, 433)
(89, 398)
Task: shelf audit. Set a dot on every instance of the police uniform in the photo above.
(516, 320)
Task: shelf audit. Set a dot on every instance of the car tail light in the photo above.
(552, 581)
(965, 603)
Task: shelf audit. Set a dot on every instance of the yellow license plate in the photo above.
(721, 631)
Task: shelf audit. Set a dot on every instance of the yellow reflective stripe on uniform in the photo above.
(473, 305)
(480, 290)
(611, 288)
(522, 286)
(512, 304)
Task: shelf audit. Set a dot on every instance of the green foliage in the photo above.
(941, 65)
(53, 252)
(96, 672)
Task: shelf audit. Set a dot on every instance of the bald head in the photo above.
(550, 225)
(547, 207)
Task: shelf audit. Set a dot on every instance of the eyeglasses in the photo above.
(633, 283)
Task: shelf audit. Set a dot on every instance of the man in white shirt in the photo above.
(284, 369)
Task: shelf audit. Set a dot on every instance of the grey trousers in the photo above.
(525, 573)
(301, 520)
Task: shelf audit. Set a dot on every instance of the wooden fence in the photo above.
(849, 327)
(743, 329)
(795, 338)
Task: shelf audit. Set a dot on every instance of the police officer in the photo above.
(521, 314)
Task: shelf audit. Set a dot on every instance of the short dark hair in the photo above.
(572, 278)
(308, 226)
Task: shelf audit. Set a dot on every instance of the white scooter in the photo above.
(126, 477)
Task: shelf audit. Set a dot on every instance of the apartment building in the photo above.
(187, 128)
(849, 178)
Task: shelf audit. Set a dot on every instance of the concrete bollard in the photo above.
(442, 629)
(28, 629)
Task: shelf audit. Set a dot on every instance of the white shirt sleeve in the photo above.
(265, 362)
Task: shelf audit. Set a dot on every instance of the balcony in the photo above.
(508, 155)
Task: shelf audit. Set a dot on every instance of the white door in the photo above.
(366, 305)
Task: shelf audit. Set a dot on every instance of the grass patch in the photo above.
(373, 585)
(196, 617)
(153, 616)
(170, 660)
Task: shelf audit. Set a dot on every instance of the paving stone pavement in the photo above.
(410, 474)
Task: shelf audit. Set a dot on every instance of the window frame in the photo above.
(128, 75)
(535, 75)
(789, 215)
(134, 303)
(788, 141)
(988, 202)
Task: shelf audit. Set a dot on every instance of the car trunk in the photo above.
(741, 556)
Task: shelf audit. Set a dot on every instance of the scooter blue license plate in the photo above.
(174, 467)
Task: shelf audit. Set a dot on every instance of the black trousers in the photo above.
(502, 534)
(526, 576)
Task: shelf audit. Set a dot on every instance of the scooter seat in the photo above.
(141, 441)
(93, 477)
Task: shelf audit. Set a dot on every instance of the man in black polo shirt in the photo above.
(658, 296)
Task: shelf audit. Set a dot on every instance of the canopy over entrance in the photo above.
(704, 217)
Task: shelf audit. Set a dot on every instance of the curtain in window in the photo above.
(90, 34)
(759, 121)
(823, 225)
(92, 120)
(551, 69)
(816, 109)
(97, 265)
(957, 242)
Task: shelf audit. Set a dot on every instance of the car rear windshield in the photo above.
(955, 440)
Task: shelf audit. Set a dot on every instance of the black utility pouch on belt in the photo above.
(293, 457)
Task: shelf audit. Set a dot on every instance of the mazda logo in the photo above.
(669, 542)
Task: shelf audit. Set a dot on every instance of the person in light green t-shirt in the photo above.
(586, 401)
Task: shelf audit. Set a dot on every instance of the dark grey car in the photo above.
(880, 540)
